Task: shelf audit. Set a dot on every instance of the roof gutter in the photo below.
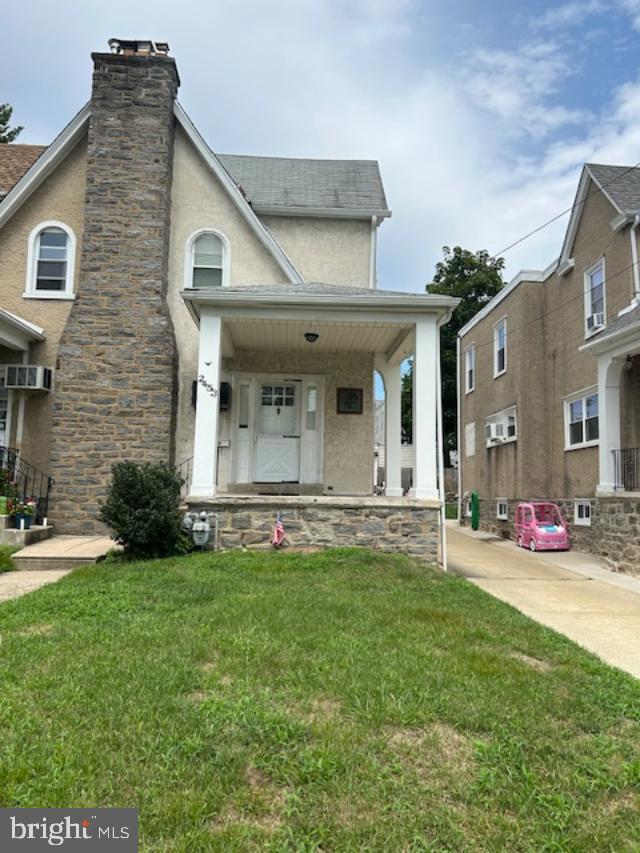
(333, 301)
(329, 212)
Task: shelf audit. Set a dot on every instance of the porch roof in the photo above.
(624, 329)
(331, 297)
(16, 333)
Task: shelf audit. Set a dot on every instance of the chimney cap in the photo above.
(138, 47)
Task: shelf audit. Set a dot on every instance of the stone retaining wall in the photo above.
(410, 527)
(614, 533)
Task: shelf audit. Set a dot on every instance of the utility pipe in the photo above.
(634, 258)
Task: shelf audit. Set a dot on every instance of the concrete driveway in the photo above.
(569, 592)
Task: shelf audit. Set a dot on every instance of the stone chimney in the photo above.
(115, 385)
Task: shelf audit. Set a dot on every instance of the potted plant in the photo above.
(23, 511)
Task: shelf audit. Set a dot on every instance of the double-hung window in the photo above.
(50, 263)
(594, 298)
(500, 348)
(470, 369)
(207, 260)
(581, 420)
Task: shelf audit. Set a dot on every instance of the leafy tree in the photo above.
(475, 278)
(7, 134)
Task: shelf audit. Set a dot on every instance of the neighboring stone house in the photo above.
(549, 380)
(216, 312)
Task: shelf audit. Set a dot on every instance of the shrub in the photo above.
(6, 563)
(143, 509)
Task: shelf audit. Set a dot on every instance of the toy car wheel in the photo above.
(532, 544)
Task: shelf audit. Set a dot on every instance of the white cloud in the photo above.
(517, 86)
(569, 14)
(632, 7)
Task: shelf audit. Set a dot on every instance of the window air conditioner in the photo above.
(495, 433)
(595, 321)
(28, 376)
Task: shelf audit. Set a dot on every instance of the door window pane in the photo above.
(243, 407)
(312, 406)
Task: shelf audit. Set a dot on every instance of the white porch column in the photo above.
(392, 430)
(609, 373)
(424, 408)
(205, 442)
(392, 378)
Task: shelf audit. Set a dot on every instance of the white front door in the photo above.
(278, 432)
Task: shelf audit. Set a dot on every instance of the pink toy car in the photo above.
(540, 526)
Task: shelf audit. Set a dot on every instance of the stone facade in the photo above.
(116, 372)
(613, 535)
(385, 524)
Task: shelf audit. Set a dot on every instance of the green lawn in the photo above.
(343, 700)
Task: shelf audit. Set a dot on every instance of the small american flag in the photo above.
(278, 533)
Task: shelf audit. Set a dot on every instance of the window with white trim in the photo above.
(50, 261)
(500, 348)
(502, 509)
(207, 260)
(594, 299)
(581, 420)
(501, 428)
(582, 513)
(470, 369)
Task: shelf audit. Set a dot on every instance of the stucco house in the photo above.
(549, 380)
(217, 312)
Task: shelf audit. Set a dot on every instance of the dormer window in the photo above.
(208, 260)
(50, 264)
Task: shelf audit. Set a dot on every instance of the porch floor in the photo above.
(230, 500)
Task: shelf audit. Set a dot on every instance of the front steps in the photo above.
(20, 538)
(63, 552)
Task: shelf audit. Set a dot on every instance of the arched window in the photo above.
(51, 259)
(208, 260)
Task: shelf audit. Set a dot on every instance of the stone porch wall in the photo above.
(386, 524)
(614, 534)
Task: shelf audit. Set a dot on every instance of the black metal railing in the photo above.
(627, 469)
(185, 470)
(22, 482)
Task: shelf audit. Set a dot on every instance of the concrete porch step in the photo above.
(21, 538)
(63, 552)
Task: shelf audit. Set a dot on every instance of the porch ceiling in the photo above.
(382, 337)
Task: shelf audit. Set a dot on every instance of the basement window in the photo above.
(582, 513)
(502, 509)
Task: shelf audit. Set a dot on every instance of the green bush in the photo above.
(6, 563)
(143, 509)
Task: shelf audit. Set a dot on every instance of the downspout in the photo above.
(459, 427)
(634, 258)
(373, 250)
(440, 441)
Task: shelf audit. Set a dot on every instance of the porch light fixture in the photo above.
(311, 337)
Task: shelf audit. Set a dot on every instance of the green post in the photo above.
(475, 511)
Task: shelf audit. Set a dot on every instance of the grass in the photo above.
(343, 700)
(6, 563)
(451, 511)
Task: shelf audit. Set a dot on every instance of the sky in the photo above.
(480, 112)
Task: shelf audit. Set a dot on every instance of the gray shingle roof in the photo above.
(286, 182)
(317, 288)
(623, 184)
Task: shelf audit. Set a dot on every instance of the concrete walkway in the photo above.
(14, 584)
(568, 591)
